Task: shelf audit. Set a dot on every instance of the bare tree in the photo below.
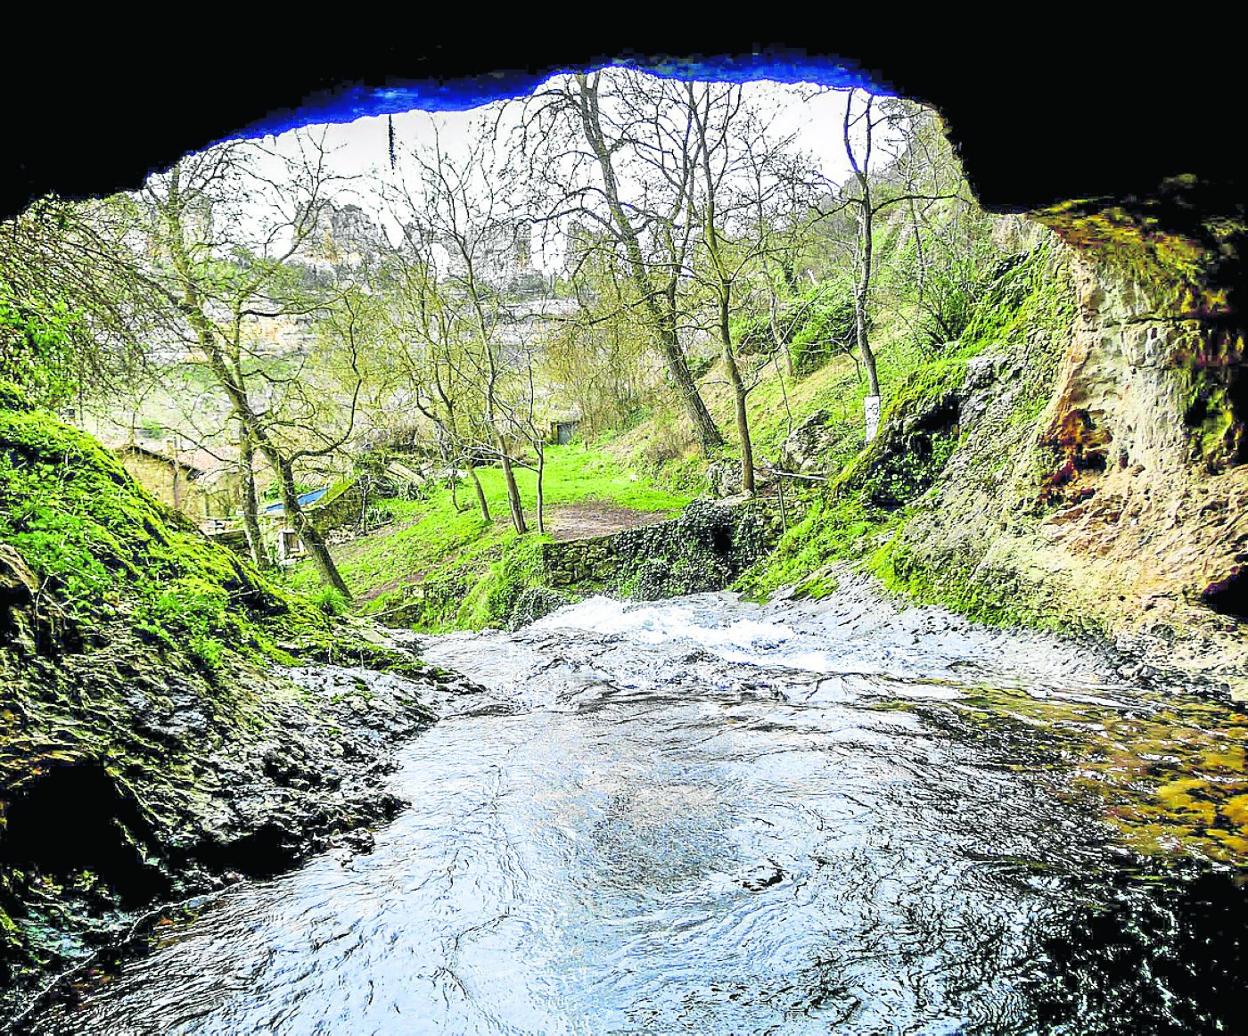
(464, 209)
(576, 143)
(741, 168)
(223, 278)
(873, 132)
(424, 344)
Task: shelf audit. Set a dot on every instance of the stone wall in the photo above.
(339, 511)
(704, 549)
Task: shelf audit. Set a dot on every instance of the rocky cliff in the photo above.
(161, 730)
(1077, 461)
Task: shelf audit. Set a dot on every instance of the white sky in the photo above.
(361, 148)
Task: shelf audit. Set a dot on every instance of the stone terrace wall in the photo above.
(704, 549)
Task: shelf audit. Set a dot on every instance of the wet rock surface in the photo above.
(130, 782)
(1098, 481)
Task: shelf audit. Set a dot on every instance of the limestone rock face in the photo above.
(724, 478)
(806, 448)
(1120, 502)
(19, 588)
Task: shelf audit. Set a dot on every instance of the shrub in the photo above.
(330, 600)
(825, 329)
(36, 346)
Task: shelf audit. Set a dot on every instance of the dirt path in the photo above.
(595, 518)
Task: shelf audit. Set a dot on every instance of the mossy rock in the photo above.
(535, 602)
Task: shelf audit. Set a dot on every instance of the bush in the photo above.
(36, 346)
(825, 329)
(815, 326)
(330, 600)
(752, 334)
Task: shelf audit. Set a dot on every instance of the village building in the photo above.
(199, 483)
(328, 508)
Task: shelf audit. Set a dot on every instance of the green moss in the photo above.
(833, 528)
(994, 597)
(1215, 394)
(493, 598)
(864, 516)
(105, 549)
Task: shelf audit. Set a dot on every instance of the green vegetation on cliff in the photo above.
(937, 417)
(147, 742)
(103, 549)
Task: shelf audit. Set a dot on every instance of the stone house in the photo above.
(191, 481)
(327, 508)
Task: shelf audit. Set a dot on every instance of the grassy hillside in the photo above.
(862, 515)
(663, 446)
(103, 549)
(435, 567)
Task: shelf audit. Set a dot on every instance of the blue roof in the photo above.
(306, 500)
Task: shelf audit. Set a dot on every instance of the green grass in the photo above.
(663, 446)
(436, 567)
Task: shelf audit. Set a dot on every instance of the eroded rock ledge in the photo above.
(1101, 472)
(132, 779)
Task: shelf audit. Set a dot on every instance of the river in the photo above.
(708, 816)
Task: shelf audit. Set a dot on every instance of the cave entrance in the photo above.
(1229, 595)
(75, 821)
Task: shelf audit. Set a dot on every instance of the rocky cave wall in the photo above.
(1101, 479)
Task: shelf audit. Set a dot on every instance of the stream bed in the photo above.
(708, 816)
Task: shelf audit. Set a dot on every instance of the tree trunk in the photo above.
(866, 213)
(251, 505)
(739, 397)
(687, 389)
(862, 291)
(662, 324)
(864, 344)
(453, 483)
(312, 540)
(541, 497)
(481, 501)
(513, 492)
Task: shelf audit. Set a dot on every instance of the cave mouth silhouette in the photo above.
(76, 817)
(1032, 130)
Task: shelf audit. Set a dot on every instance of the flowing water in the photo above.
(707, 816)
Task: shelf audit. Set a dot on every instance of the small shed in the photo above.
(289, 546)
(328, 509)
(563, 431)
